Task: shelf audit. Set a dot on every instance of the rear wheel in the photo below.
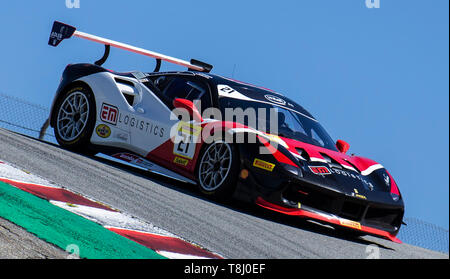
(218, 169)
(75, 118)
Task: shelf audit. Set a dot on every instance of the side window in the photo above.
(188, 89)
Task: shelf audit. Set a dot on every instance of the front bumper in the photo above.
(309, 213)
(287, 192)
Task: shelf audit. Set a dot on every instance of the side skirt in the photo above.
(134, 160)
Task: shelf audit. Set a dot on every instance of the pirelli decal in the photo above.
(263, 165)
(350, 224)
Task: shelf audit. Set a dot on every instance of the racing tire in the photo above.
(75, 119)
(218, 169)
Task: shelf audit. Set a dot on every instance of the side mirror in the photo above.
(189, 106)
(342, 146)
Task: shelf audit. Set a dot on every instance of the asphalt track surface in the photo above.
(17, 243)
(233, 229)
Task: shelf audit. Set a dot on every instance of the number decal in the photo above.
(186, 139)
(227, 89)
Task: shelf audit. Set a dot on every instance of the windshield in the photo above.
(276, 120)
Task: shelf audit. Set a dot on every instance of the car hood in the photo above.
(354, 176)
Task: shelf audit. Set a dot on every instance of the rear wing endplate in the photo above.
(62, 31)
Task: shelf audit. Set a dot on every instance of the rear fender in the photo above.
(69, 80)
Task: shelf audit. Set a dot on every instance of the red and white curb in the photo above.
(157, 239)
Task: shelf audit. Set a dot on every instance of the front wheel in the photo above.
(218, 169)
(75, 118)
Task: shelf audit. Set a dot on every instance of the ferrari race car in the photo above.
(178, 124)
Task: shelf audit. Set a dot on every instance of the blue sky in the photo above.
(376, 78)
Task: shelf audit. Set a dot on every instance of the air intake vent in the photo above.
(129, 98)
(333, 163)
(350, 163)
(123, 81)
(128, 90)
(303, 154)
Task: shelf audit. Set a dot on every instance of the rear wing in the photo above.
(62, 31)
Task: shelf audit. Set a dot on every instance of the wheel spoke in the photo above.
(66, 125)
(79, 104)
(77, 126)
(210, 178)
(72, 130)
(215, 165)
(65, 111)
(72, 108)
(64, 118)
(74, 105)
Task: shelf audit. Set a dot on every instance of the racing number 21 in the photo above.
(186, 139)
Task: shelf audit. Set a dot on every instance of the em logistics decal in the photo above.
(320, 170)
(142, 125)
(111, 115)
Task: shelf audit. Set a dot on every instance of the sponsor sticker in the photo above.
(133, 159)
(358, 195)
(275, 99)
(55, 35)
(263, 165)
(103, 131)
(126, 157)
(320, 170)
(350, 224)
(181, 161)
(109, 114)
(140, 125)
(361, 178)
(122, 136)
(386, 179)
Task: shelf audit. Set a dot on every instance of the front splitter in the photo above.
(330, 219)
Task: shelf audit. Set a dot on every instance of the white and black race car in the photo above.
(297, 170)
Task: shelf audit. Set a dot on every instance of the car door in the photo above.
(149, 120)
(183, 146)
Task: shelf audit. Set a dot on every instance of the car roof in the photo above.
(253, 92)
